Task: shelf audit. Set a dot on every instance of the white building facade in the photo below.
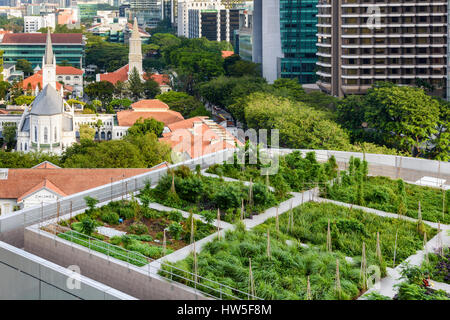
(34, 23)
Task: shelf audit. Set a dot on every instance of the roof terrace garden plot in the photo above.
(294, 173)
(193, 192)
(130, 231)
(299, 249)
(356, 187)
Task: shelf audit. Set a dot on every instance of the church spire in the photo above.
(48, 64)
(135, 34)
(135, 54)
(48, 56)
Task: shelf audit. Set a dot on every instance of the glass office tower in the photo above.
(298, 39)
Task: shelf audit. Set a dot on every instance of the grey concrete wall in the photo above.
(25, 276)
(12, 225)
(135, 281)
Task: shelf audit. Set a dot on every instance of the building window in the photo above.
(56, 136)
(35, 134)
(45, 135)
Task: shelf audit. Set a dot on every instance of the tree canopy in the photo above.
(184, 103)
(400, 117)
(142, 126)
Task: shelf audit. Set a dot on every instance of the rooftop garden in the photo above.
(190, 191)
(295, 172)
(131, 226)
(316, 251)
(416, 284)
(356, 187)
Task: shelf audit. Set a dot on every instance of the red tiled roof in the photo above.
(22, 182)
(40, 38)
(2, 111)
(63, 70)
(68, 70)
(115, 76)
(198, 141)
(149, 104)
(162, 79)
(34, 80)
(121, 74)
(43, 184)
(130, 27)
(37, 78)
(46, 165)
(127, 118)
(226, 54)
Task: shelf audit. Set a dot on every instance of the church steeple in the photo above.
(48, 64)
(135, 54)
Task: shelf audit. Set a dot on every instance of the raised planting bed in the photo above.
(438, 267)
(284, 274)
(193, 192)
(144, 228)
(395, 196)
(295, 173)
(415, 285)
(349, 228)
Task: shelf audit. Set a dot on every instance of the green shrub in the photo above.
(110, 218)
(138, 228)
(175, 230)
(175, 215)
(126, 213)
(115, 240)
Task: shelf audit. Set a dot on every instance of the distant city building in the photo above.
(210, 19)
(33, 23)
(31, 46)
(147, 12)
(298, 20)
(68, 16)
(243, 37)
(266, 38)
(10, 73)
(399, 42)
(124, 10)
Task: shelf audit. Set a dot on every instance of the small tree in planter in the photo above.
(87, 226)
(91, 203)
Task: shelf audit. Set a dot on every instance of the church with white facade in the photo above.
(51, 125)
(48, 124)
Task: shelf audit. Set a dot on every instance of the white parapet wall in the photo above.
(26, 276)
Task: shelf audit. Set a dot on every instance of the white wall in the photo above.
(7, 206)
(36, 198)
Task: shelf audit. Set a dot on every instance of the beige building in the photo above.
(361, 42)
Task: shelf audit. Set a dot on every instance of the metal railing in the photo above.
(198, 283)
(13, 224)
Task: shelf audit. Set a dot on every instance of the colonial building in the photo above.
(135, 62)
(46, 183)
(70, 78)
(51, 125)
